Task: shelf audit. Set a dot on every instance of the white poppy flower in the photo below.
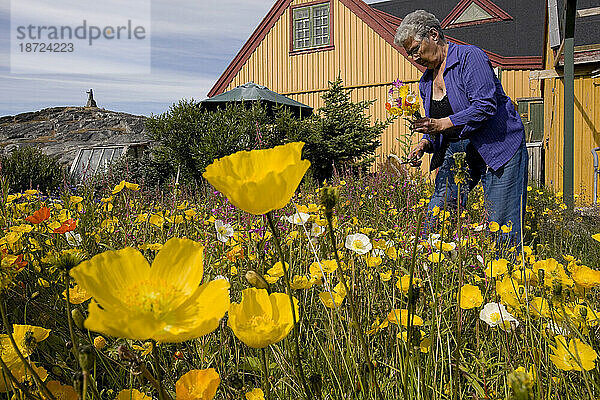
(358, 243)
(224, 231)
(495, 314)
(299, 218)
(74, 239)
(317, 230)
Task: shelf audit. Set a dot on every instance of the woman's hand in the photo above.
(432, 125)
(415, 155)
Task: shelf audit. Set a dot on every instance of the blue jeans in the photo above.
(504, 190)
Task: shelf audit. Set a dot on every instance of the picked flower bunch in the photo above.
(403, 101)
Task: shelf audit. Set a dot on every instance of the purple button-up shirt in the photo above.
(485, 113)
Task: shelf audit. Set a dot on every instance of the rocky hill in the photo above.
(62, 131)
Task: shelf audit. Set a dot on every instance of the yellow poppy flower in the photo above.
(334, 298)
(132, 394)
(577, 356)
(255, 394)
(277, 270)
(386, 276)
(398, 316)
(539, 307)
(494, 226)
(469, 297)
(77, 295)
(259, 181)
(436, 257)
(198, 384)
(261, 318)
(165, 302)
(300, 282)
(404, 283)
(26, 337)
(586, 277)
(497, 267)
(62, 392)
(326, 266)
(124, 184)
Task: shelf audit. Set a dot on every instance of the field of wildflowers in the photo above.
(251, 289)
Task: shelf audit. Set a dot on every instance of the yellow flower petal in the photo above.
(259, 181)
(261, 319)
(163, 303)
(132, 394)
(77, 295)
(198, 385)
(179, 262)
(469, 297)
(109, 276)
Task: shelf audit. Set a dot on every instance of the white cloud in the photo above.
(193, 42)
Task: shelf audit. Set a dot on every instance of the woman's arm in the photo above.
(477, 77)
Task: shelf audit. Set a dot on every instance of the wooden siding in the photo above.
(587, 133)
(361, 57)
(517, 85)
(586, 130)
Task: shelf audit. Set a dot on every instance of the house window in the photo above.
(311, 26)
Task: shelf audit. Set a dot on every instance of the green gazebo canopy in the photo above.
(251, 92)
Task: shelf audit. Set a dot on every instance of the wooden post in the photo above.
(569, 100)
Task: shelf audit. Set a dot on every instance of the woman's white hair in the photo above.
(417, 25)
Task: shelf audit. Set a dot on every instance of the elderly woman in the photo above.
(467, 111)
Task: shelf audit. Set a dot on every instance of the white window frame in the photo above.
(312, 27)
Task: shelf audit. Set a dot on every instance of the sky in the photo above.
(192, 43)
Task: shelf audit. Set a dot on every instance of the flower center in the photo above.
(495, 317)
(152, 296)
(358, 244)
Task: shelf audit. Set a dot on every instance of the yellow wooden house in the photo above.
(301, 45)
(587, 98)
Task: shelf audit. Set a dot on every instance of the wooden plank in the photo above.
(588, 12)
(544, 74)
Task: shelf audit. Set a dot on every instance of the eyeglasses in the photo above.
(414, 51)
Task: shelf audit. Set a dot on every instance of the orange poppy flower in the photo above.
(20, 263)
(67, 226)
(388, 106)
(40, 215)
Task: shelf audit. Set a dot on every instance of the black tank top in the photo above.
(442, 109)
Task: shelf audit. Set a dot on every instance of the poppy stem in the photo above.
(28, 366)
(357, 327)
(75, 348)
(266, 383)
(296, 329)
(162, 394)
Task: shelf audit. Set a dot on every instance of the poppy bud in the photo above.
(86, 357)
(99, 342)
(256, 280)
(329, 197)
(541, 274)
(78, 317)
